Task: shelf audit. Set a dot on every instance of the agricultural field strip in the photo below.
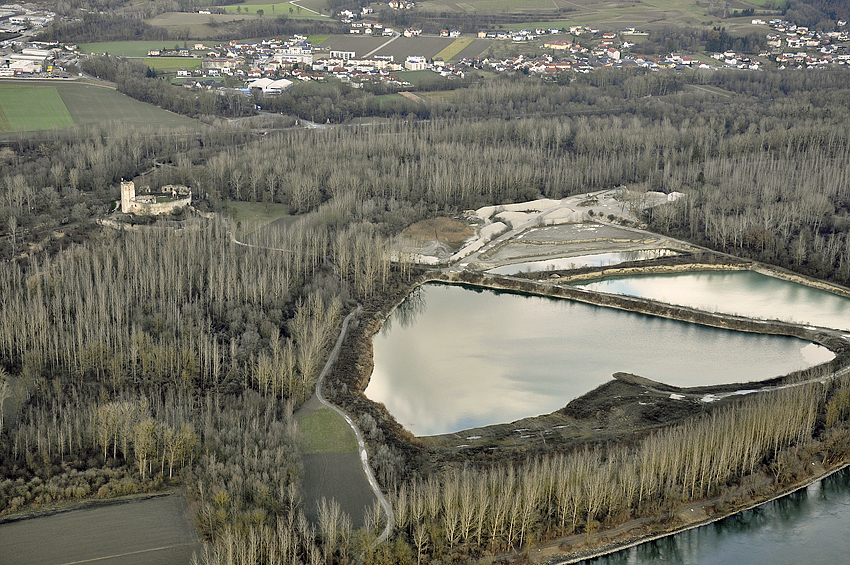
(34, 108)
(155, 530)
(5, 126)
(452, 50)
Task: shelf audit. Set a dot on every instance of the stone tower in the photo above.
(128, 194)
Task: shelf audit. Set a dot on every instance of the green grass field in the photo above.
(325, 431)
(452, 50)
(275, 9)
(172, 63)
(90, 104)
(251, 216)
(604, 14)
(415, 77)
(126, 48)
(317, 39)
(32, 108)
(4, 123)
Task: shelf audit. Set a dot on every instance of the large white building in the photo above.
(415, 63)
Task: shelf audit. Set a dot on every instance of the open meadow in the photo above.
(251, 216)
(288, 9)
(194, 25)
(148, 532)
(172, 63)
(332, 467)
(605, 14)
(24, 108)
(42, 105)
(126, 48)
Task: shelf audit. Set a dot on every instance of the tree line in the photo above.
(467, 512)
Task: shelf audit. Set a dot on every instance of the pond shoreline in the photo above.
(653, 527)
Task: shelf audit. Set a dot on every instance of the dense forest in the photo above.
(152, 355)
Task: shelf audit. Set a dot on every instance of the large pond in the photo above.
(809, 526)
(452, 358)
(736, 292)
(595, 260)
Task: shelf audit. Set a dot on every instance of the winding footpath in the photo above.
(361, 445)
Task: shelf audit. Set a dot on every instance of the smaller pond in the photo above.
(744, 293)
(596, 260)
(451, 358)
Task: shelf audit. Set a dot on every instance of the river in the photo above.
(811, 525)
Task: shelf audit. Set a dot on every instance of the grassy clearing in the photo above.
(33, 109)
(415, 77)
(317, 39)
(172, 63)
(489, 6)
(5, 126)
(126, 48)
(325, 431)
(439, 95)
(90, 104)
(273, 10)
(605, 14)
(560, 24)
(251, 216)
(452, 50)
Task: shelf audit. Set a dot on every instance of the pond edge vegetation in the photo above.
(402, 462)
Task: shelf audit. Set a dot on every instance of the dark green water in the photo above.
(809, 526)
(452, 358)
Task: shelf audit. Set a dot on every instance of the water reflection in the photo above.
(405, 313)
(475, 358)
(744, 293)
(808, 526)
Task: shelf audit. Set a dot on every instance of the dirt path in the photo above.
(361, 445)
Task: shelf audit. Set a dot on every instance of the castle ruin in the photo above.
(170, 199)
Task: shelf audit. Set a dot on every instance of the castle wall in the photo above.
(158, 208)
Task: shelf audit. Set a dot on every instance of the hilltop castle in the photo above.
(171, 198)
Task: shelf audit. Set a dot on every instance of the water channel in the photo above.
(453, 358)
(736, 292)
(808, 526)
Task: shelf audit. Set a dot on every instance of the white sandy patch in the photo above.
(485, 234)
(530, 206)
(514, 219)
(677, 397)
